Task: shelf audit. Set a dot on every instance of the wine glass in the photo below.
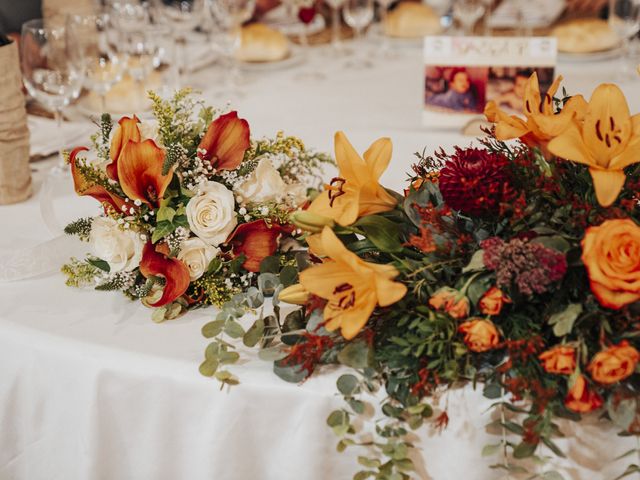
(51, 67)
(231, 14)
(129, 15)
(385, 47)
(358, 14)
(624, 20)
(103, 64)
(467, 13)
(183, 16)
(336, 43)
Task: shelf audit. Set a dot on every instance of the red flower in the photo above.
(176, 274)
(127, 130)
(84, 187)
(580, 398)
(226, 141)
(256, 240)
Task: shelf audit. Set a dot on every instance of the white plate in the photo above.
(589, 57)
(295, 58)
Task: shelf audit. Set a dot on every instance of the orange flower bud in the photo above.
(580, 398)
(560, 360)
(614, 364)
(492, 301)
(450, 301)
(479, 335)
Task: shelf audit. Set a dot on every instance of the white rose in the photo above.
(263, 185)
(121, 249)
(196, 255)
(149, 129)
(297, 194)
(211, 213)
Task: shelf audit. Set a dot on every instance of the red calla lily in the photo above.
(84, 187)
(175, 273)
(226, 141)
(140, 172)
(256, 240)
(127, 130)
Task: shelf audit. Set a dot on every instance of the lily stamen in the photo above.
(335, 189)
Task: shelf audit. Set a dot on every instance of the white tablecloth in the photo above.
(90, 388)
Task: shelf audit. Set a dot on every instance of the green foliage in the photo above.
(80, 227)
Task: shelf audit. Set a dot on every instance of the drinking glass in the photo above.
(102, 63)
(183, 16)
(358, 14)
(336, 42)
(467, 13)
(231, 14)
(129, 15)
(624, 19)
(385, 47)
(51, 67)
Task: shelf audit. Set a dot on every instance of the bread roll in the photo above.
(585, 35)
(260, 43)
(412, 20)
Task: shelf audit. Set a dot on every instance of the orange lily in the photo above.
(83, 187)
(140, 172)
(226, 141)
(541, 124)
(355, 191)
(175, 273)
(256, 240)
(607, 141)
(352, 286)
(127, 130)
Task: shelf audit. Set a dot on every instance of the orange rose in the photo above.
(611, 253)
(560, 359)
(492, 301)
(479, 335)
(450, 301)
(614, 364)
(580, 398)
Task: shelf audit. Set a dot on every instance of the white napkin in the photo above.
(538, 13)
(47, 139)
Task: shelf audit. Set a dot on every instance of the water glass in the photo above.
(358, 14)
(624, 19)
(467, 13)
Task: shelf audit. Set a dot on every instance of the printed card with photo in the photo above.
(462, 74)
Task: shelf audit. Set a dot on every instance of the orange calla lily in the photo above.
(127, 130)
(256, 240)
(356, 191)
(140, 172)
(541, 123)
(83, 187)
(226, 141)
(352, 286)
(175, 273)
(607, 141)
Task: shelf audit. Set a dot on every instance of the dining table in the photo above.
(92, 388)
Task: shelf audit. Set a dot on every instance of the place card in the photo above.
(462, 74)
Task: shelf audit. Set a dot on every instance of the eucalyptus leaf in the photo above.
(288, 275)
(254, 298)
(356, 354)
(476, 264)
(208, 367)
(622, 412)
(524, 450)
(552, 475)
(272, 354)
(491, 450)
(555, 242)
(254, 334)
(383, 233)
(213, 329)
(234, 329)
(289, 373)
(347, 384)
(270, 265)
(267, 283)
(563, 321)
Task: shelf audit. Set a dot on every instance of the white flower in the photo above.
(149, 129)
(296, 194)
(263, 185)
(121, 249)
(211, 213)
(197, 255)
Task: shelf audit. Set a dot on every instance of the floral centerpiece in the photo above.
(516, 265)
(190, 205)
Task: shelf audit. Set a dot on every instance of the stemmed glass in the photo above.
(358, 14)
(624, 19)
(103, 64)
(385, 47)
(51, 67)
(467, 13)
(336, 43)
(231, 14)
(183, 16)
(306, 15)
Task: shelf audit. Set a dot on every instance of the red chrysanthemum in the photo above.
(475, 181)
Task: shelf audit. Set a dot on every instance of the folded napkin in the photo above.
(47, 139)
(538, 13)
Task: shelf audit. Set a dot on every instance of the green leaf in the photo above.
(631, 469)
(369, 462)
(356, 354)
(524, 450)
(628, 453)
(162, 230)
(551, 475)
(347, 384)
(227, 358)
(213, 329)
(555, 242)
(267, 283)
(363, 475)
(254, 334)
(270, 265)
(492, 391)
(288, 275)
(513, 427)
(165, 214)
(553, 447)
(490, 450)
(383, 233)
(404, 464)
(563, 321)
(272, 354)
(357, 406)
(338, 417)
(208, 367)
(622, 412)
(234, 329)
(476, 264)
(159, 315)
(99, 264)
(290, 373)
(254, 298)
(214, 265)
